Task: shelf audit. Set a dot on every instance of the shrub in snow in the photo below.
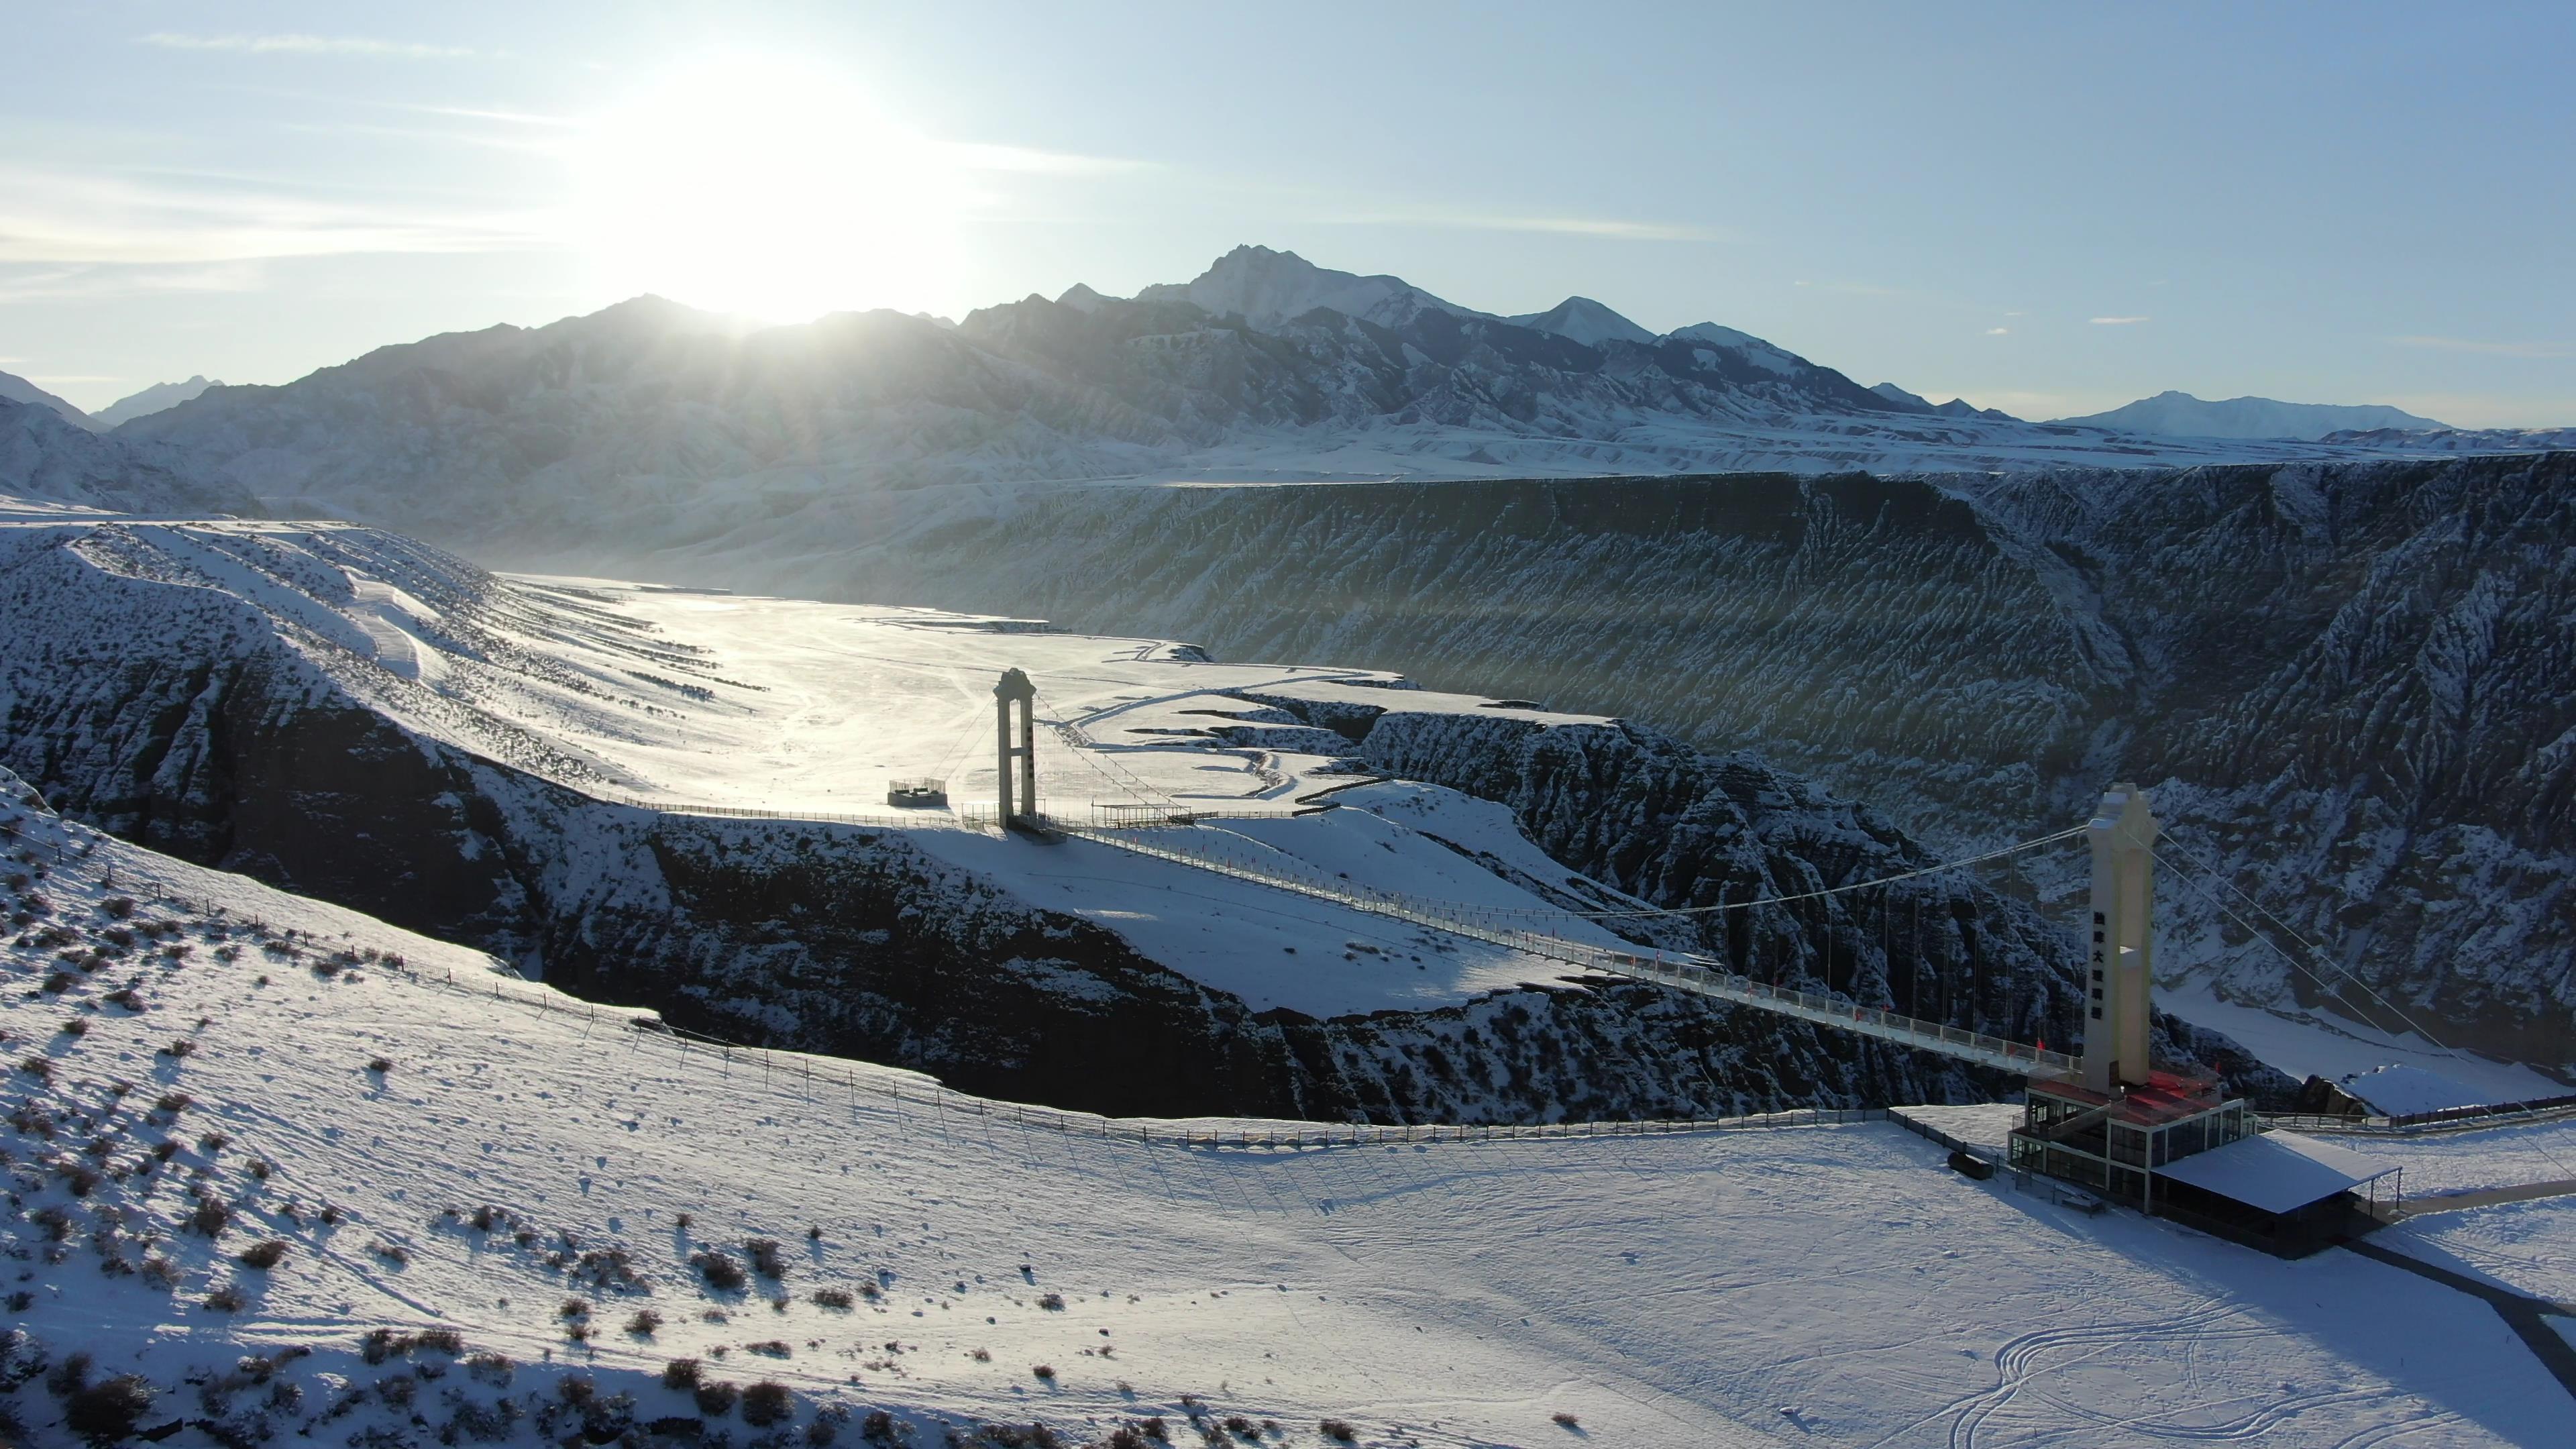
(180, 1048)
(37, 1067)
(574, 1308)
(380, 1065)
(644, 1323)
(77, 1026)
(491, 1368)
(878, 1427)
(680, 1373)
(833, 1298)
(211, 1217)
(715, 1398)
(227, 1299)
(1051, 1302)
(214, 1142)
(766, 1403)
(1564, 1420)
(773, 1348)
(108, 1411)
(393, 1253)
(765, 1261)
(174, 1103)
(1044, 1371)
(264, 1255)
(444, 1340)
(721, 1272)
(1340, 1432)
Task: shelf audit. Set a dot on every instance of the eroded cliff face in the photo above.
(2350, 685)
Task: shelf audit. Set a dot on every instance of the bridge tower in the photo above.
(2120, 972)
(1020, 744)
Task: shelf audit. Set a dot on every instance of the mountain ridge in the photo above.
(2173, 413)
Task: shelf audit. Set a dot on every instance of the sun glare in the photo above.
(766, 188)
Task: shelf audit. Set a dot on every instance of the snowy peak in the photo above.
(152, 399)
(18, 390)
(1585, 321)
(1081, 298)
(2179, 414)
(1745, 345)
(1267, 288)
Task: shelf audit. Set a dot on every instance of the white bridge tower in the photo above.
(2121, 967)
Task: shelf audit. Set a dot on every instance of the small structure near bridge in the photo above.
(917, 794)
(2171, 1141)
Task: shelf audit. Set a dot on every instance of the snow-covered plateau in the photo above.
(281, 1173)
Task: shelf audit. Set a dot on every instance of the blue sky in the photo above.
(2049, 209)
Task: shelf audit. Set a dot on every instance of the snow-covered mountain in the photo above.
(16, 389)
(1269, 288)
(1586, 321)
(2179, 414)
(1954, 408)
(47, 459)
(660, 428)
(151, 400)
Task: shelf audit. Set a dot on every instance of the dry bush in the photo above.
(1564, 1420)
(771, 1348)
(765, 1260)
(174, 1103)
(264, 1255)
(574, 1308)
(680, 1373)
(766, 1403)
(380, 1065)
(107, 1412)
(721, 1272)
(1045, 1371)
(77, 1026)
(183, 1047)
(227, 1299)
(394, 1253)
(1051, 1302)
(834, 1298)
(1340, 1432)
(644, 1323)
(716, 1397)
(214, 1142)
(491, 1368)
(210, 1217)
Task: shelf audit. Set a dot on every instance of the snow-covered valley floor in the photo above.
(1829, 1285)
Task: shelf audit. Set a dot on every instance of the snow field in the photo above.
(1830, 1284)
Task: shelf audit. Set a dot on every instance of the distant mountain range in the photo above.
(152, 399)
(2180, 415)
(650, 426)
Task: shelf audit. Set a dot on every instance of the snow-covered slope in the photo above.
(46, 460)
(483, 1212)
(2179, 414)
(151, 400)
(16, 389)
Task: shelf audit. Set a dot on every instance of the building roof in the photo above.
(2277, 1171)
(2398, 1090)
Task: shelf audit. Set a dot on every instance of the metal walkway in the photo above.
(1682, 971)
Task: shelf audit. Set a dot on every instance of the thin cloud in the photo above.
(1998, 332)
(1613, 228)
(299, 44)
(2118, 321)
(2490, 349)
(76, 219)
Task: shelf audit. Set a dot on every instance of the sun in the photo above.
(768, 188)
